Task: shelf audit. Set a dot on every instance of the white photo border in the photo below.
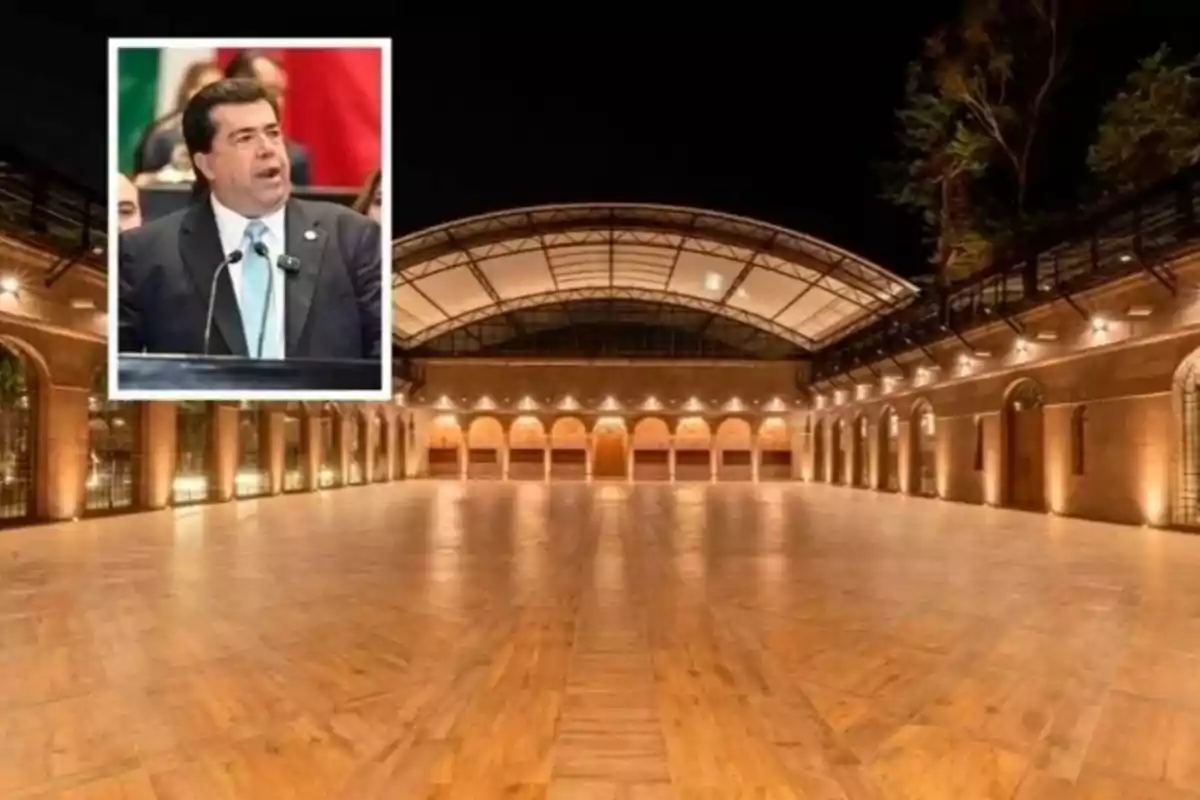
(386, 391)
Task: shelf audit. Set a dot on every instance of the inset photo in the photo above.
(249, 205)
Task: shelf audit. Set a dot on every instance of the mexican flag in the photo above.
(333, 104)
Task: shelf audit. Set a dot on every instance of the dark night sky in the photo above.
(778, 118)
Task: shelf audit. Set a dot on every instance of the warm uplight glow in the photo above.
(527, 403)
(651, 404)
(734, 404)
(610, 404)
(445, 420)
(693, 404)
(190, 484)
(610, 422)
(775, 404)
(444, 402)
(9, 285)
(568, 404)
(485, 403)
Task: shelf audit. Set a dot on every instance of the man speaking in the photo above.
(246, 270)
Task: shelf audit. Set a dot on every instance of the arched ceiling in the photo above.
(797, 288)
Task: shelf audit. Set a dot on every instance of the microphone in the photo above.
(261, 249)
(232, 258)
(289, 264)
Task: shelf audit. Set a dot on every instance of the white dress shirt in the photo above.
(231, 226)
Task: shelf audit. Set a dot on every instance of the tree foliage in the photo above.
(1151, 129)
(972, 112)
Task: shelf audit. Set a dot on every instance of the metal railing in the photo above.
(49, 211)
(1140, 233)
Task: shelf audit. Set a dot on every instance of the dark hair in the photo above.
(242, 64)
(198, 127)
(362, 204)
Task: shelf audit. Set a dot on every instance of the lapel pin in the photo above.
(310, 235)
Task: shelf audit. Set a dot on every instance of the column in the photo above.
(755, 457)
(156, 472)
(272, 422)
(671, 459)
(714, 460)
(225, 451)
(61, 438)
(310, 447)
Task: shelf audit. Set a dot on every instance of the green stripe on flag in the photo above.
(137, 100)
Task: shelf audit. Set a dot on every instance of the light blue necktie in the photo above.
(256, 273)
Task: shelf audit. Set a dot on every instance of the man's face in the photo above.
(248, 164)
(129, 208)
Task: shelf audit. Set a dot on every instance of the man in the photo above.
(129, 206)
(164, 156)
(325, 291)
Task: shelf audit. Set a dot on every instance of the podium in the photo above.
(140, 372)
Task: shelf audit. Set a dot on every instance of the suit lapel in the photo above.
(306, 241)
(200, 249)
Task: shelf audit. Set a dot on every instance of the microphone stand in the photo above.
(232, 258)
(261, 249)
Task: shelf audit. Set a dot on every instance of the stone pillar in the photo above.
(224, 451)
(157, 447)
(310, 448)
(755, 456)
(714, 460)
(546, 462)
(272, 430)
(671, 459)
(62, 452)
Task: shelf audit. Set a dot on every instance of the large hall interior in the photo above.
(675, 497)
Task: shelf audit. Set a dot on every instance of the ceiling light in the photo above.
(712, 282)
(9, 285)
(82, 303)
(1099, 324)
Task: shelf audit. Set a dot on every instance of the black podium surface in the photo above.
(140, 372)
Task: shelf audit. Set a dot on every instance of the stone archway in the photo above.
(837, 452)
(922, 432)
(775, 450)
(888, 436)
(860, 452)
(734, 443)
(610, 449)
(651, 443)
(18, 434)
(527, 447)
(111, 480)
(693, 450)
(445, 446)
(568, 449)
(1023, 439)
(485, 443)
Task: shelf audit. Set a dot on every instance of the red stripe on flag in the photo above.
(333, 107)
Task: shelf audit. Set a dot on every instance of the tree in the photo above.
(973, 108)
(1151, 129)
(941, 156)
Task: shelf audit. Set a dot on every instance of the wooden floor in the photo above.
(608, 641)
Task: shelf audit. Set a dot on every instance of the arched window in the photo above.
(112, 449)
(978, 444)
(17, 436)
(253, 476)
(1078, 439)
(192, 448)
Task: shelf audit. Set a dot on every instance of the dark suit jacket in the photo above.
(332, 304)
(155, 153)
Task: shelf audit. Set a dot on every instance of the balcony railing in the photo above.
(1141, 233)
(50, 212)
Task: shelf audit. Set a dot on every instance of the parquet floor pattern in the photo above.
(490, 640)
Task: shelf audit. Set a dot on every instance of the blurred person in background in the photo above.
(259, 66)
(129, 207)
(327, 295)
(370, 199)
(161, 156)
